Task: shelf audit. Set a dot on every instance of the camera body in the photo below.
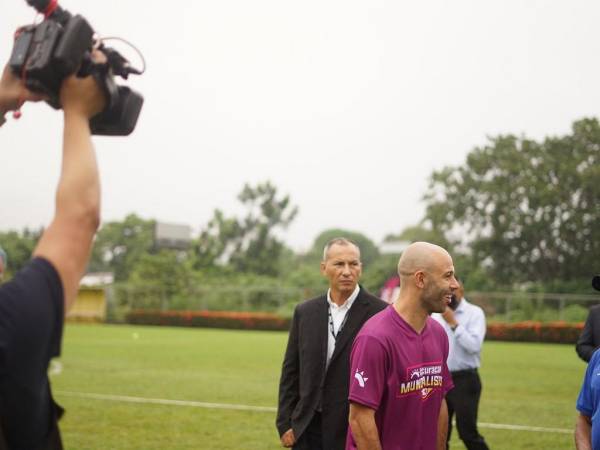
(45, 54)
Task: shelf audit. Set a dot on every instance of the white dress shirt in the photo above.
(466, 340)
(338, 314)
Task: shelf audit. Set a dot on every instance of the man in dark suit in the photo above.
(589, 340)
(313, 390)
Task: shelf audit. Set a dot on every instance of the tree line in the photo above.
(518, 213)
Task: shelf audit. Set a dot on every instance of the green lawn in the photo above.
(524, 384)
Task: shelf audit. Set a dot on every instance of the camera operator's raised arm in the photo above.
(57, 60)
(33, 302)
(66, 243)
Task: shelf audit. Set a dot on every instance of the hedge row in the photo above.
(210, 319)
(555, 332)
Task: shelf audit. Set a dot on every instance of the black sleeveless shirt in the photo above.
(31, 323)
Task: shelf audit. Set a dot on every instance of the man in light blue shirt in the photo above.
(465, 326)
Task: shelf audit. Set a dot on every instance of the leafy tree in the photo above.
(466, 267)
(120, 245)
(528, 210)
(165, 270)
(378, 272)
(248, 244)
(420, 232)
(19, 246)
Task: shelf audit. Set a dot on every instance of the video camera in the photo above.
(45, 54)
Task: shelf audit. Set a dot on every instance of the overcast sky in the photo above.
(347, 106)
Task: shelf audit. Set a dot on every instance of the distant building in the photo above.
(393, 247)
(95, 279)
(172, 236)
(91, 302)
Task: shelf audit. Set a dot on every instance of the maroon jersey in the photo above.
(403, 376)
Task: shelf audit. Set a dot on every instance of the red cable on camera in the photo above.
(51, 8)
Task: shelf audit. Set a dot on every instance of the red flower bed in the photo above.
(556, 332)
(210, 319)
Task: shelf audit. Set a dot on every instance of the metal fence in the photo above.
(123, 298)
(543, 307)
(499, 306)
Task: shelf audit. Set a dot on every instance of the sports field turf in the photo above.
(530, 385)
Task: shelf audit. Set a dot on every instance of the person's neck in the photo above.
(411, 313)
(339, 298)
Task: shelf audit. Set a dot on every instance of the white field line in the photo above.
(161, 401)
(503, 426)
(230, 406)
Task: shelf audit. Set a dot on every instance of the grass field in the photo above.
(532, 385)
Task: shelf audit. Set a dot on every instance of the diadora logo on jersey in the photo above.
(425, 392)
(422, 380)
(360, 377)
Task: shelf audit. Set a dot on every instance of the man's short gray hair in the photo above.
(339, 241)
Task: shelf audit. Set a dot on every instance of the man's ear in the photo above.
(420, 279)
(322, 267)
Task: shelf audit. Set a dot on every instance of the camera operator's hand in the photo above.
(13, 93)
(81, 96)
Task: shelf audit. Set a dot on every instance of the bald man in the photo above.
(398, 370)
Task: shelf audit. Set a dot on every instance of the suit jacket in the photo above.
(589, 340)
(304, 384)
